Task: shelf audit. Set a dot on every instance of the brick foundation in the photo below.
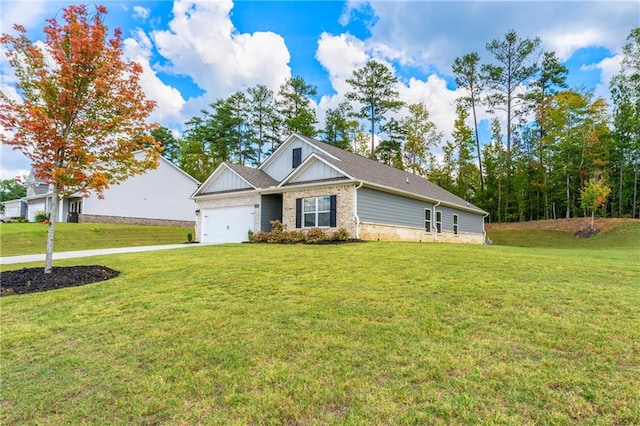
(375, 232)
(90, 218)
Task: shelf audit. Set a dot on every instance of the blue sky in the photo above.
(194, 52)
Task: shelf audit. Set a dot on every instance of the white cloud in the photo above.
(141, 13)
(608, 67)
(169, 99)
(203, 44)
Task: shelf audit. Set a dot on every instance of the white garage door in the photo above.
(227, 224)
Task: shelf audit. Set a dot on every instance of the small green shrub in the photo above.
(250, 235)
(41, 217)
(190, 237)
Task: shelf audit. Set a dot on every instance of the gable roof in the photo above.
(352, 166)
(385, 176)
(254, 178)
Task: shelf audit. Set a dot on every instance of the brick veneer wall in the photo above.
(374, 231)
(344, 206)
(91, 218)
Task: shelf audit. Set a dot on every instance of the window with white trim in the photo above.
(427, 220)
(316, 212)
(438, 221)
(455, 224)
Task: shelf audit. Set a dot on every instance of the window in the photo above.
(455, 224)
(297, 157)
(316, 212)
(438, 222)
(427, 220)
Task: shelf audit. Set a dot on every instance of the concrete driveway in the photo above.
(88, 253)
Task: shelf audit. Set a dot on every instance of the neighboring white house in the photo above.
(159, 196)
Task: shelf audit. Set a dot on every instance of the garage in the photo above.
(227, 224)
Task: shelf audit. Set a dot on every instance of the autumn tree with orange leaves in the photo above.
(78, 111)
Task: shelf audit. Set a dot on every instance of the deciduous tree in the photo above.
(81, 115)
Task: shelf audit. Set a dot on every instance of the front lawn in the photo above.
(31, 238)
(373, 333)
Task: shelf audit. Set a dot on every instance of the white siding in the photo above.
(162, 193)
(226, 181)
(318, 171)
(279, 167)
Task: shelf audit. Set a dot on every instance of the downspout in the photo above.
(484, 233)
(355, 209)
(435, 228)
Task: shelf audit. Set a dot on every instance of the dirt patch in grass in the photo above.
(586, 233)
(33, 280)
(567, 225)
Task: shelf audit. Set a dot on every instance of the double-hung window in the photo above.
(455, 224)
(438, 222)
(427, 220)
(316, 212)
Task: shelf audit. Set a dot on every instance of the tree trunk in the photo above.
(48, 260)
(593, 212)
(635, 188)
(620, 187)
(568, 198)
(475, 125)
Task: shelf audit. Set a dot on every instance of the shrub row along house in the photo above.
(158, 197)
(307, 184)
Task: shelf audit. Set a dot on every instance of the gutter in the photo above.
(435, 235)
(355, 208)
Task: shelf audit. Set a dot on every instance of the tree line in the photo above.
(547, 140)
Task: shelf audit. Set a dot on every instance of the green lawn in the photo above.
(30, 238)
(373, 333)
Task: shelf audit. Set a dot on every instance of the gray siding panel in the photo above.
(281, 166)
(381, 207)
(271, 210)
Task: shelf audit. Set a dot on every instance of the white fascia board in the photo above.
(421, 197)
(306, 164)
(231, 194)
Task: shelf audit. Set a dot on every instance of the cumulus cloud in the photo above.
(169, 100)
(202, 43)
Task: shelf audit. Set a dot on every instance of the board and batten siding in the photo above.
(227, 181)
(381, 207)
(280, 167)
(390, 209)
(318, 171)
(271, 210)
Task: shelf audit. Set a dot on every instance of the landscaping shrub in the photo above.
(280, 235)
(41, 217)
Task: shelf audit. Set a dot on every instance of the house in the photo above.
(306, 183)
(159, 196)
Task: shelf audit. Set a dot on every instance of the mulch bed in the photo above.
(33, 280)
(586, 233)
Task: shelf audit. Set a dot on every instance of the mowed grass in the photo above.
(371, 333)
(623, 235)
(31, 238)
